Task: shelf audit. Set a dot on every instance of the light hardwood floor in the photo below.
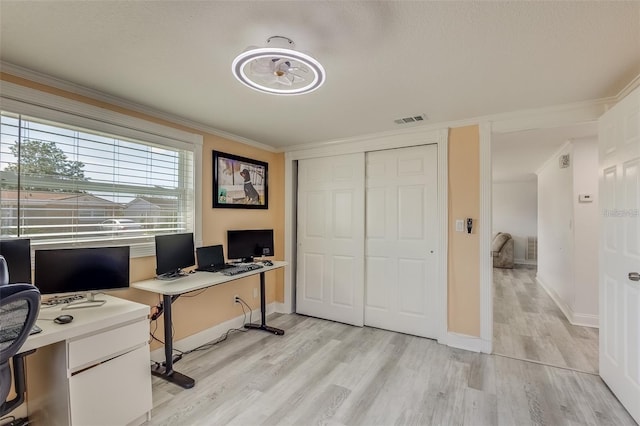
(321, 372)
(528, 325)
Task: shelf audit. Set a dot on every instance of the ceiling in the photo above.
(517, 156)
(384, 59)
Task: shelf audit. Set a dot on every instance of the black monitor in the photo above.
(249, 243)
(174, 252)
(78, 270)
(17, 254)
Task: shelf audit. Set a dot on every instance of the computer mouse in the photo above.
(63, 319)
(267, 263)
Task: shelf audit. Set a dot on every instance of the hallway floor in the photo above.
(528, 325)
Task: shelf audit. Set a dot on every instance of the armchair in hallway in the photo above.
(502, 250)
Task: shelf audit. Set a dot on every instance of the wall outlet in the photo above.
(236, 298)
(255, 293)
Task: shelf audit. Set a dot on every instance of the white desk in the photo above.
(171, 290)
(93, 370)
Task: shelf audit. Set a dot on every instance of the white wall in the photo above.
(515, 210)
(555, 225)
(568, 232)
(585, 181)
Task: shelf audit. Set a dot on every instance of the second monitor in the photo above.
(173, 253)
(249, 243)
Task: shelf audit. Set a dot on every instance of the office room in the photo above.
(357, 136)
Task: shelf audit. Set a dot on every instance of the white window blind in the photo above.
(63, 184)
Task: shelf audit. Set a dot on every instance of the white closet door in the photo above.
(330, 254)
(619, 150)
(402, 240)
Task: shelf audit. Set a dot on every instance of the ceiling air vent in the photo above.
(412, 119)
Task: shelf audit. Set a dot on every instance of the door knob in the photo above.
(634, 276)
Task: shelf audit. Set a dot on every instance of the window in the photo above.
(63, 184)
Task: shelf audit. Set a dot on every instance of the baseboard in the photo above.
(585, 320)
(213, 333)
(556, 298)
(282, 308)
(525, 262)
(463, 341)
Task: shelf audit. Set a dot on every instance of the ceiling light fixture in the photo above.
(278, 68)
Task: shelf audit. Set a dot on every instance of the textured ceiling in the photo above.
(517, 156)
(384, 60)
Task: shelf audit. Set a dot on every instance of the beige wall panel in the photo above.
(464, 249)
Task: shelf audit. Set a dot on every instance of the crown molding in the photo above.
(527, 119)
(554, 157)
(97, 95)
(633, 84)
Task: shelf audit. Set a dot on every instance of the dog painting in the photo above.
(249, 191)
(239, 182)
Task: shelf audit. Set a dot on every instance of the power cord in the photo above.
(242, 302)
(23, 421)
(158, 312)
(224, 336)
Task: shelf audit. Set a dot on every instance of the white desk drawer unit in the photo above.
(116, 392)
(109, 380)
(96, 348)
(93, 370)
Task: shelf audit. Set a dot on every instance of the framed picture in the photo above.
(239, 182)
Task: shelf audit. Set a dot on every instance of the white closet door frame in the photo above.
(361, 145)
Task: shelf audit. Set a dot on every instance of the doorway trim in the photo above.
(366, 144)
(486, 220)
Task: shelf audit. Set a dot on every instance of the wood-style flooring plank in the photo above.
(325, 373)
(528, 325)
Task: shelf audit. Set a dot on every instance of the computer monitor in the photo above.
(174, 252)
(249, 243)
(82, 270)
(17, 254)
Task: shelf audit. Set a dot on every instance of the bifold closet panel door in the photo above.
(330, 237)
(401, 251)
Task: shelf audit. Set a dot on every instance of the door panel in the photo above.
(619, 149)
(330, 273)
(401, 240)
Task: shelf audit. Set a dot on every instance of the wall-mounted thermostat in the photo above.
(585, 198)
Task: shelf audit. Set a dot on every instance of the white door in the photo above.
(619, 149)
(330, 257)
(402, 240)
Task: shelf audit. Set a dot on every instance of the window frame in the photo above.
(19, 99)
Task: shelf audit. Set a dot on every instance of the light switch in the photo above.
(459, 225)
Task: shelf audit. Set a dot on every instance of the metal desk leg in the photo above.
(263, 312)
(167, 372)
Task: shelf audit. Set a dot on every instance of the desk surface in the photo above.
(85, 320)
(197, 281)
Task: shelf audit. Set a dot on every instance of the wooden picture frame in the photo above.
(239, 182)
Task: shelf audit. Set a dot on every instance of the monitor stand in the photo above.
(170, 276)
(91, 302)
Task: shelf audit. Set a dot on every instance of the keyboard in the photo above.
(10, 333)
(240, 269)
(60, 300)
(215, 268)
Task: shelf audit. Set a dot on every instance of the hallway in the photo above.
(528, 325)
